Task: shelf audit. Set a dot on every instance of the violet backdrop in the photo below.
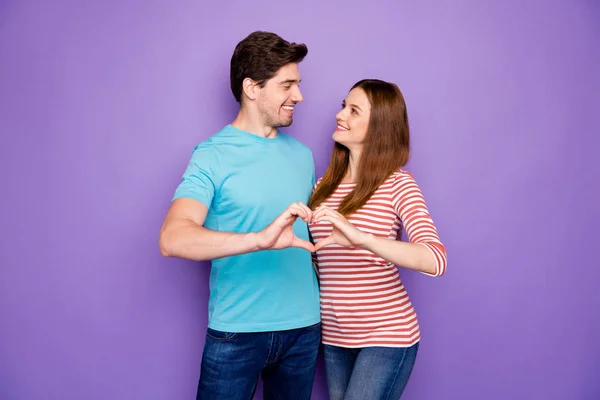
(101, 104)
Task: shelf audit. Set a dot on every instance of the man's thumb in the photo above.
(303, 244)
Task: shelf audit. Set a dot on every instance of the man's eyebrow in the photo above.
(290, 81)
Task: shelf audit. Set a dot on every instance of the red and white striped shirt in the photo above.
(363, 300)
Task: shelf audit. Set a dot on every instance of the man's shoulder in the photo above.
(214, 142)
(295, 143)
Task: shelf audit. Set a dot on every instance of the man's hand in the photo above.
(279, 234)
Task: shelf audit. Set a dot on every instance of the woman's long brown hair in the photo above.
(386, 148)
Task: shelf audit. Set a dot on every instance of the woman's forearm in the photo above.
(415, 256)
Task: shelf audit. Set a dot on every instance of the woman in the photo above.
(361, 204)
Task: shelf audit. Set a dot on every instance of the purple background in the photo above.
(101, 105)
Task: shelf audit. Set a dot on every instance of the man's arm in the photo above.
(183, 235)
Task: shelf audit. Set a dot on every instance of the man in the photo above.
(241, 204)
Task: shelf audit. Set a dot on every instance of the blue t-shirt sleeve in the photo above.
(200, 179)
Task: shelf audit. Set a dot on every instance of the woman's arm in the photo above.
(424, 252)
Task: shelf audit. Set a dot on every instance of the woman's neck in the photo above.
(353, 164)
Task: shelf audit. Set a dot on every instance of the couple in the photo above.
(249, 202)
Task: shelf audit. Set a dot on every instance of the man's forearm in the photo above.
(193, 242)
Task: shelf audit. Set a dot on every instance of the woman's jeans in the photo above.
(373, 373)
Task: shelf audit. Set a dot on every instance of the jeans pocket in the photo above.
(220, 336)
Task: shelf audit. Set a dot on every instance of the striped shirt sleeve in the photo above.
(409, 203)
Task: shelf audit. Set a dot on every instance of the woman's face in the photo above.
(353, 120)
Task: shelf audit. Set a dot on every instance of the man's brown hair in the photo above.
(259, 56)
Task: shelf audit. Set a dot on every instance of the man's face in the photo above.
(276, 100)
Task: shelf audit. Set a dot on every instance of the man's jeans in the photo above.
(370, 373)
(232, 363)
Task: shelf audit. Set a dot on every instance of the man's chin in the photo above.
(284, 124)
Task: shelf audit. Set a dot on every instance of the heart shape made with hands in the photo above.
(343, 232)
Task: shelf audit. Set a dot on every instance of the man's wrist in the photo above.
(252, 239)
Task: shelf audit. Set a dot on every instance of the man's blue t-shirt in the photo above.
(246, 181)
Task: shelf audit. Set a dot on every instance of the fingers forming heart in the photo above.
(302, 211)
(303, 244)
(324, 242)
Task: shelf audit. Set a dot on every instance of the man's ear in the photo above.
(250, 88)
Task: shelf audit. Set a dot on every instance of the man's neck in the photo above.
(252, 123)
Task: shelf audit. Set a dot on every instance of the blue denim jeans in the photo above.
(370, 373)
(232, 363)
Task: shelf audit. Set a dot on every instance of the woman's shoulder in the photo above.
(318, 181)
(401, 175)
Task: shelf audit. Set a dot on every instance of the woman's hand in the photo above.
(343, 233)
